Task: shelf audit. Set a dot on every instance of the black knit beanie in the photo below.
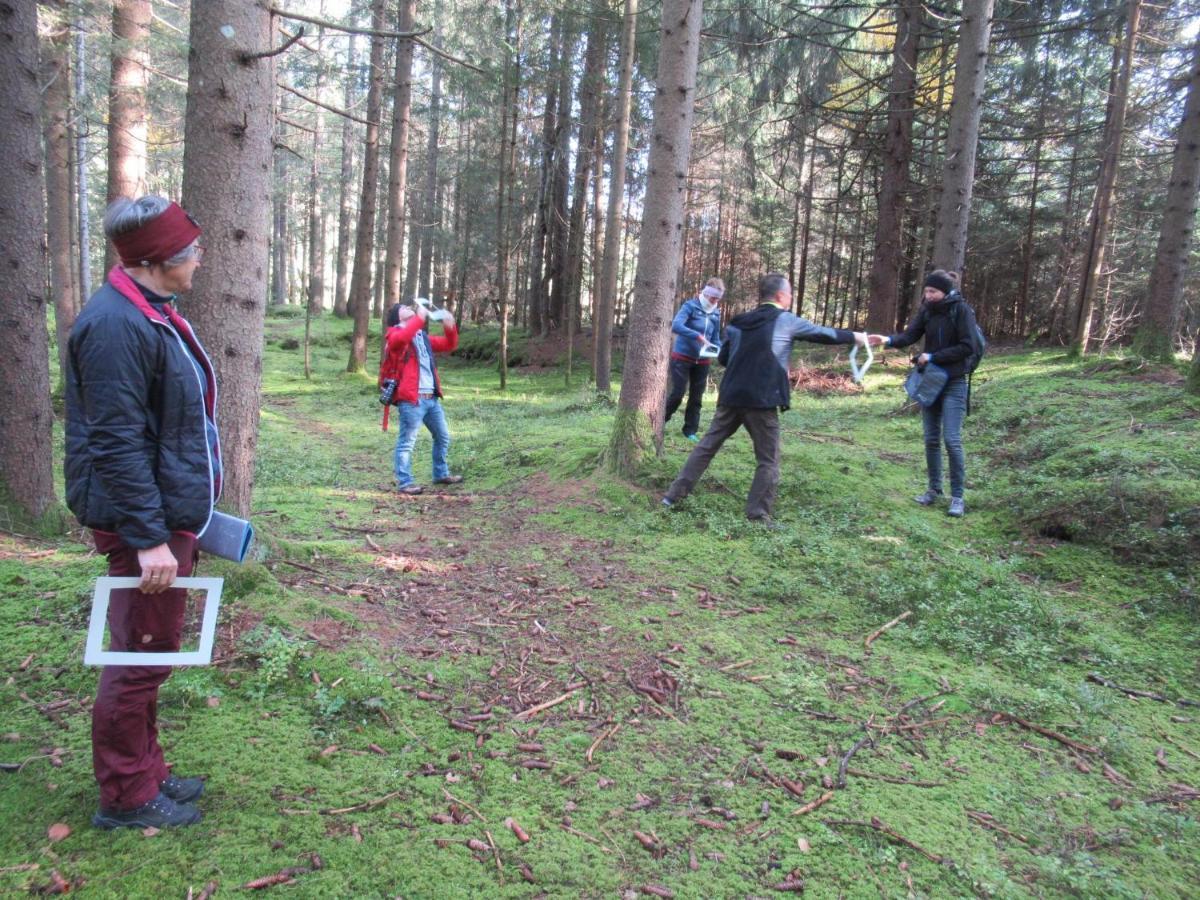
(941, 281)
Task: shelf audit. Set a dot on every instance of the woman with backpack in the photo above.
(948, 325)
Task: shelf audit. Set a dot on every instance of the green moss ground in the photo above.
(1078, 555)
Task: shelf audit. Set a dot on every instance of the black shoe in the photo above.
(161, 812)
(411, 489)
(182, 790)
(449, 479)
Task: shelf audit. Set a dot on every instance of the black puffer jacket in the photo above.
(947, 327)
(139, 461)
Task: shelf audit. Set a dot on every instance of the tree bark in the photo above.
(894, 185)
(508, 142)
(1114, 133)
(56, 78)
(398, 169)
(637, 430)
(589, 127)
(26, 478)
(431, 212)
(82, 218)
(341, 290)
(316, 207)
(227, 187)
(1160, 317)
(560, 182)
(607, 295)
(360, 280)
(279, 232)
(966, 109)
(128, 114)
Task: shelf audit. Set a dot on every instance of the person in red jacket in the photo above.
(410, 361)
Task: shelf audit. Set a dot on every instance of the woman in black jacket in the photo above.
(947, 323)
(143, 470)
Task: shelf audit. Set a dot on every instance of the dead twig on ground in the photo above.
(809, 807)
(879, 826)
(878, 631)
(453, 799)
(1046, 732)
(849, 755)
(988, 822)
(605, 735)
(361, 807)
(1133, 692)
(534, 710)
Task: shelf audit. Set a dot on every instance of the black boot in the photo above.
(182, 790)
(161, 812)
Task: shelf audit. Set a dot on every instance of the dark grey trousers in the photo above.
(763, 425)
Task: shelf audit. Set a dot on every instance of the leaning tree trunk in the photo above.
(360, 281)
(227, 187)
(398, 167)
(1114, 133)
(56, 78)
(966, 109)
(607, 294)
(637, 430)
(1160, 318)
(894, 186)
(128, 113)
(26, 477)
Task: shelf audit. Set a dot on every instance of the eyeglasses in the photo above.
(197, 253)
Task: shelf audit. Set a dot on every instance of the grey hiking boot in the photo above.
(161, 812)
(928, 498)
(957, 507)
(182, 790)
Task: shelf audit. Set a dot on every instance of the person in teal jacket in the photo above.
(697, 325)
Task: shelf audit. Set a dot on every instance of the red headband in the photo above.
(159, 239)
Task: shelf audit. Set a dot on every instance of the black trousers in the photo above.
(692, 379)
(763, 425)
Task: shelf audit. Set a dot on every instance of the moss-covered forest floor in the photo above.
(539, 683)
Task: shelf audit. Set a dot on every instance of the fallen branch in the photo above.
(1133, 692)
(453, 799)
(809, 807)
(986, 820)
(534, 710)
(842, 766)
(879, 826)
(361, 807)
(587, 837)
(890, 625)
(601, 739)
(1046, 732)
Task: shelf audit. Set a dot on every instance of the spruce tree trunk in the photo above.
(26, 479)
(316, 207)
(589, 127)
(607, 295)
(560, 182)
(538, 304)
(56, 80)
(128, 114)
(431, 213)
(637, 430)
(966, 109)
(82, 217)
(508, 141)
(894, 186)
(1155, 338)
(1114, 133)
(227, 187)
(398, 168)
(341, 288)
(364, 251)
(279, 233)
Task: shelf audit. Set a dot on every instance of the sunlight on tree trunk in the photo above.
(227, 187)
(644, 382)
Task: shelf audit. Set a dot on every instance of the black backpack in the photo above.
(974, 334)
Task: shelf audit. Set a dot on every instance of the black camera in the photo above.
(387, 391)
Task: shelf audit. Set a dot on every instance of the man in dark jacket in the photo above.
(143, 470)
(756, 355)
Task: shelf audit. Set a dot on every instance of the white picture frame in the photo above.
(94, 653)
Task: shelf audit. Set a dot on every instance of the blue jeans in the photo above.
(412, 416)
(943, 421)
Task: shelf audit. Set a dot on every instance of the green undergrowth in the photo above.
(367, 626)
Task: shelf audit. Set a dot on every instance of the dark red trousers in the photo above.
(126, 757)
